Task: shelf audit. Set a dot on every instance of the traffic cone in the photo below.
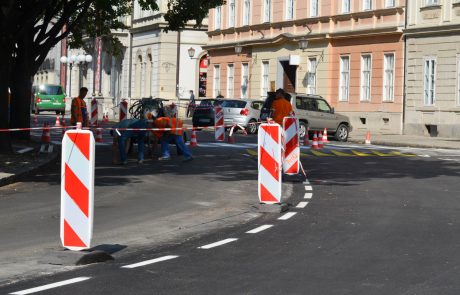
(106, 118)
(46, 134)
(231, 139)
(305, 141)
(325, 136)
(368, 137)
(35, 120)
(58, 122)
(315, 141)
(99, 134)
(193, 141)
(320, 141)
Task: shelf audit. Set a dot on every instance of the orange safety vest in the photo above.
(162, 122)
(282, 109)
(177, 125)
(75, 112)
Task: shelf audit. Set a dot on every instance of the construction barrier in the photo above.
(94, 112)
(219, 123)
(270, 181)
(123, 110)
(291, 160)
(77, 189)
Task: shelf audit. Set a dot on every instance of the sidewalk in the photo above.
(406, 140)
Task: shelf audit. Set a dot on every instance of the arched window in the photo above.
(148, 76)
(138, 77)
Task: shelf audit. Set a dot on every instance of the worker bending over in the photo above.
(124, 138)
(174, 135)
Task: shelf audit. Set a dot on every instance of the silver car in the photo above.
(244, 112)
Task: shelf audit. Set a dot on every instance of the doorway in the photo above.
(289, 76)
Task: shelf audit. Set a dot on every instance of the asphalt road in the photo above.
(369, 220)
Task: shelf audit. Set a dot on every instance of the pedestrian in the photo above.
(219, 95)
(125, 138)
(191, 105)
(281, 106)
(78, 110)
(174, 135)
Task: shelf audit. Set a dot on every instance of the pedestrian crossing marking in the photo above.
(305, 155)
(320, 154)
(341, 154)
(382, 154)
(252, 152)
(403, 154)
(360, 154)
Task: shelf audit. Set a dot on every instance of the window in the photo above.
(244, 80)
(431, 2)
(366, 77)
(267, 11)
(231, 13)
(344, 78)
(313, 8)
(429, 81)
(367, 4)
(323, 106)
(390, 3)
(216, 84)
(264, 82)
(230, 79)
(246, 12)
(311, 76)
(388, 77)
(218, 19)
(346, 6)
(289, 9)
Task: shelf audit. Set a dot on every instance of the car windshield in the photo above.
(50, 90)
(238, 104)
(207, 102)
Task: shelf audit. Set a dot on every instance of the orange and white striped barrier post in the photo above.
(368, 138)
(325, 140)
(123, 110)
(291, 161)
(193, 141)
(320, 140)
(270, 181)
(77, 189)
(94, 112)
(219, 123)
(99, 134)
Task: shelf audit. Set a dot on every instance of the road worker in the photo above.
(123, 138)
(173, 134)
(281, 107)
(78, 110)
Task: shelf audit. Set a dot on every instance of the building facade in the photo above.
(433, 68)
(354, 57)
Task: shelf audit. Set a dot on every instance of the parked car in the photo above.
(48, 97)
(315, 114)
(203, 116)
(244, 112)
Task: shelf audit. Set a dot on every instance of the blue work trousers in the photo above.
(139, 136)
(180, 145)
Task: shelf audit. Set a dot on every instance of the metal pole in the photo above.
(177, 72)
(70, 80)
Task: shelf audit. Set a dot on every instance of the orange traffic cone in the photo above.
(231, 139)
(325, 136)
(193, 141)
(315, 141)
(46, 134)
(99, 134)
(368, 137)
(320, 140)
(106, 118)
(305, 141)
(58, 122)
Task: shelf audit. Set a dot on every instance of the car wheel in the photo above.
(342, 133)
(302, 129)
(252, 127)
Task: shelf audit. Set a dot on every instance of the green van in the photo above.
(48, 97)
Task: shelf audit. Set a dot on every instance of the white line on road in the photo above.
(151, 261)
(302, 205)
(308, 188)
(51, 286)
(217, 244)
(306, 182)
(259, 229)
(308, 196)
(287, 216)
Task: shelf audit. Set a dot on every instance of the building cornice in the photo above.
(432, 31)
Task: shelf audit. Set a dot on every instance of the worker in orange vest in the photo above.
(173, 134)
(78, 110)
(281, 107)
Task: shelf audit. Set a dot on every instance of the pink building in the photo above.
(354, 57)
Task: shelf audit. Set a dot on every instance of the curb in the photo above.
(22, 174)
(402, 144)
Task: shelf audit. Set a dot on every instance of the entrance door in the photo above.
(289, 76)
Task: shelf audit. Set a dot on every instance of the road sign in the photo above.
(77, 189)
(291, 158)
(270, 181)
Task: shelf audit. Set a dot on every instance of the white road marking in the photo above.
(308, 196)
(306, 182)
(151, 261)
(308, 188)
(51, 286)
(217, 244)
(287, 216)
(259, 229)
(302, 205)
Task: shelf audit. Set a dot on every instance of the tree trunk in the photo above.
(5, 140)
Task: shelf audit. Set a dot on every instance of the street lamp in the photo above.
(81, 59)
(303, 44)
(238, 49)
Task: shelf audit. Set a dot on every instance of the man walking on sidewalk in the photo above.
(191, 105)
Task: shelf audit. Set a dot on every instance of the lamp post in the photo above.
(82, 60)
(303, 44)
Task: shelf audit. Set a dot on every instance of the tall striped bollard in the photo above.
(270, 161)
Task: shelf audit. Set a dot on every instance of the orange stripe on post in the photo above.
(76, 190)
(266, 196)
(71, 238)
(81, 140)
(269, 163)
(272, 131)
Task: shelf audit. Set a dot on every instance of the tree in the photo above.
(31, 28)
